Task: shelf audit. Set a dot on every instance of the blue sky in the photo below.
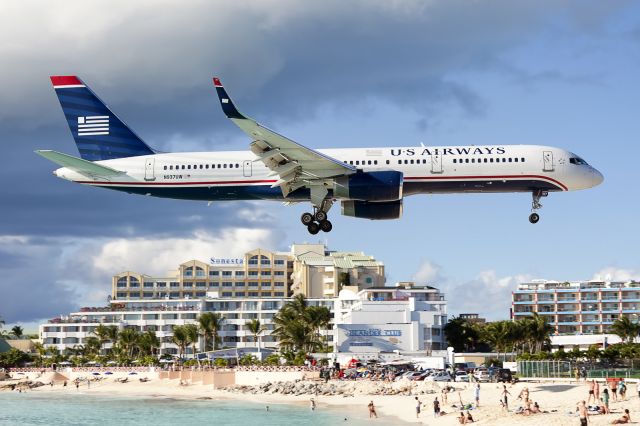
(357, 73)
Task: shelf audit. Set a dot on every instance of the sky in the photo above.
(326, 74)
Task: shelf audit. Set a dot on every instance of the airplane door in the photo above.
(436, 163)
(148, 169)
(547, 158)
(246, 168)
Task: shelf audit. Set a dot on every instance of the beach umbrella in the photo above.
(64, 363)
(108, 373)
(132, 373)
(95, 373)
(112, 362)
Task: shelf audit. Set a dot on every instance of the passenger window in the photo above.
(454, 161)
(491, 160)
(375, 162)
(357, 162)
(237, 166)
(399, 161)
(424, 161)
(509, 159)
(224, 166)
(183, 167)
(406, 161)
(165, 167)
(369, 162)
(387, 161)
(504, 160)
(411, 161)
(515, 159)
(466, 160)
(485, 160)
(206, 167)
(522, 160)
(189, 166)
(473, 160)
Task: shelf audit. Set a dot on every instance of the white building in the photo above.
(403, 318)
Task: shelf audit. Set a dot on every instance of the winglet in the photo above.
(66, 81)
(225, 101)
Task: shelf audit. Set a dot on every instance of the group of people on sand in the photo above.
(584, 413)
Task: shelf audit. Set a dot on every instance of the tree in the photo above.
(128, 341)
(191, 331)
(92, 346)
(148, 343)
(210, 324)
(461, 334)
(180, 338)
(13, 358)
(2, 323)
(626, 329)
(17, 331)
(106, 334)
(297, 325)
(255, 328)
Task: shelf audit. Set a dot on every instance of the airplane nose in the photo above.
(597, 178)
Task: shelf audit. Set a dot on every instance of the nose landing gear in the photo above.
(535, 205)
(318, 221)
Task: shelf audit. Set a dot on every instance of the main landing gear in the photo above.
(318, 221)
(535, 205)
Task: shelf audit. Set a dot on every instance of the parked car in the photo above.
(502, 375)
(481, 374)
(440, 376)
(461, 376)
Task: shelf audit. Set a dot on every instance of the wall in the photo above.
(253, 378)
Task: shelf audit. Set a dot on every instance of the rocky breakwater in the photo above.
(338, 387)
(23, 385)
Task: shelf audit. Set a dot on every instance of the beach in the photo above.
(557, 399)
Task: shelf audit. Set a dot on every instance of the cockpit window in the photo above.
(577, 160)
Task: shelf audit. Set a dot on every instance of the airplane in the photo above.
(369, 183)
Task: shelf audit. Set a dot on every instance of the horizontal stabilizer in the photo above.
(79, 165)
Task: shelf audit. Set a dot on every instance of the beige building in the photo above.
(317, 273)
(259, 273)
(309, 269)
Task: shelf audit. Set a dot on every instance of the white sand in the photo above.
(559, 396)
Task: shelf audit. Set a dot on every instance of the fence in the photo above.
(567, 370)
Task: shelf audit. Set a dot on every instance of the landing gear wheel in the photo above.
(321, 216)
(326, 226)
(306, 219)
(534, 217)
(313, 228)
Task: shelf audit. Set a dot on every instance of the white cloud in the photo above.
(155, 256)
(612, 273)
(427, 273)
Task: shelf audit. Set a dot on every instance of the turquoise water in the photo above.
(37, 409)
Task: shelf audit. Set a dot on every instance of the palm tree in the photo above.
(210, 324)
(128, 340)
(180, 338)
(296, 325)
(626, 329)
(255, 328)
(192, 336)
(148, 342)
(318, 317)
(92, 346)
(460, 333)
(106, 334)
(17, 331)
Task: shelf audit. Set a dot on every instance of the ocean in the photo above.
(40, 409)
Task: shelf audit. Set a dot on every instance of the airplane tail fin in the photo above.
(98, 132)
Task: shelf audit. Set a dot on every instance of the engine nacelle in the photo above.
(371, 210)
(370, 186)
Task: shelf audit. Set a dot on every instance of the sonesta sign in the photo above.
(226, 261)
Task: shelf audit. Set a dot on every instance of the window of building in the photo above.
(214, 284)
(121, 295)
(148, 284)
(227, 273)
(201, 294)
(161, 284)
(253, 283)
(253, 260)
(239, 273)
(214, 273)
(147, 294)
(174, 284)
(278, 273)
(122, 282)
(227, 294)
(266, 294)
(201, 284)
(265, 273)
(199, 272)
(227, 284)
(240, 293)
(253, 294)
(240, 284)
(279, 284)
(188, 272)
(187, 285)
(253, 273)
(278, 294)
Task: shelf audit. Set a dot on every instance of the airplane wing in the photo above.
(295, 165)
(79, 165)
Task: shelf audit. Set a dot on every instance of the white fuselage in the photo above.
(237, 175)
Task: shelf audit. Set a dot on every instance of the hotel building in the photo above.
(256, 286)
(578, 308)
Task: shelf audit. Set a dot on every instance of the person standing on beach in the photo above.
(614, 388)
(372, 410)
(313, 404)
(476, 395)
(583, 413)
(418, 406)
(592, 393)
(505, 400)
(596, 390)
(605, 400)
(436, 407)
